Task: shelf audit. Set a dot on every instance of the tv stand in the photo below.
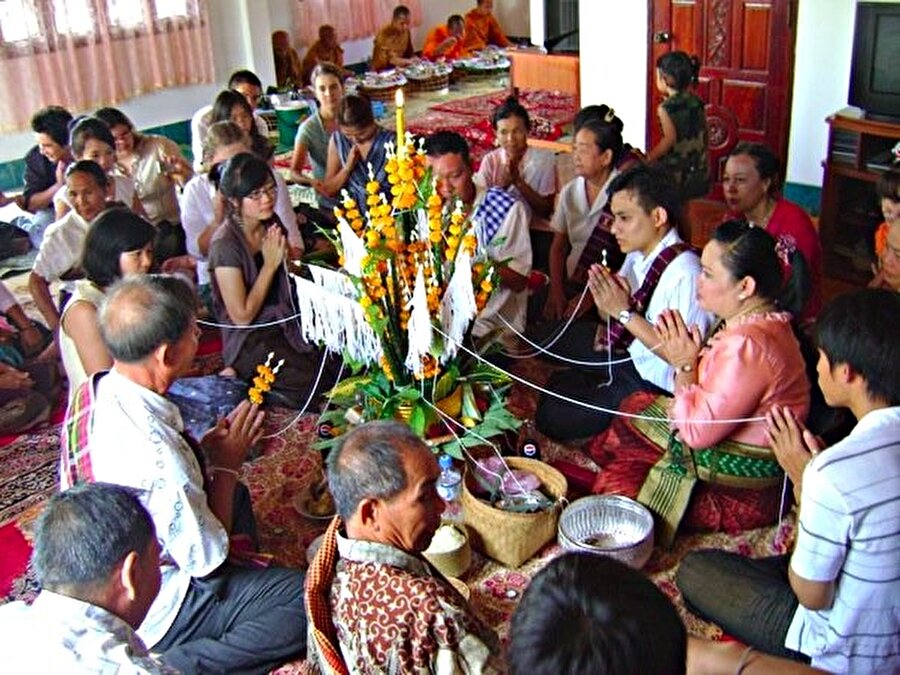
(850, 210)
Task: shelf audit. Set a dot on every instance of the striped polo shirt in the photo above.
(849, 532)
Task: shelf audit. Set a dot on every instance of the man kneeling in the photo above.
(369, 590)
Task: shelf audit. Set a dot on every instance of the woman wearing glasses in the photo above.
(248, 265)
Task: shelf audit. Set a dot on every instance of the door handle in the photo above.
(662, 37)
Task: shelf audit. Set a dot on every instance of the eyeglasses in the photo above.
(267, 191)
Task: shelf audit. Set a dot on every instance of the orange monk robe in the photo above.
(482, 30)
(391, 43)
(287, 69)
(435, 37)
(317, 53)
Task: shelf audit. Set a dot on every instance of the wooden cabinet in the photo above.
(859, 151)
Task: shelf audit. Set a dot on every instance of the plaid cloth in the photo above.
(618, 337)
(491, 212)
(323, 640)
(75, 458)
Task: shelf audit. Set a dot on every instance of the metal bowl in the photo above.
(610, 525)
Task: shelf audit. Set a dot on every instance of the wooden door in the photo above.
(746, 51)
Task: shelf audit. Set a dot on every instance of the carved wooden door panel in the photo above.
(746, 51)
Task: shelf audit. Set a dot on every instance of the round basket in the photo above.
(380, 93)
(512, 538)
(434, 83)
(453, 563)
(610, 525)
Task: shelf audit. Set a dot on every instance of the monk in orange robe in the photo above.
(393, 44)
(326, 48)
(482, 28)
(446, 41)
(287, 63)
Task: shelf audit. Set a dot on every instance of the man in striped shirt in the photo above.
(838, 601)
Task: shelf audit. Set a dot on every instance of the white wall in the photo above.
(608, 30)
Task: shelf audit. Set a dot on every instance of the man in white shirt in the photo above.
(836, 600)
(248, 85)
(97, 559)
(501, 223)
(59, 256)
(210, 615)
(660, 272)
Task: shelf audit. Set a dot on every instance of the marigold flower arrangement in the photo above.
(418, 276)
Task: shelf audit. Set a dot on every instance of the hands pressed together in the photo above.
(227, 443)
(680, 344)
(793, 444)
(611, 292)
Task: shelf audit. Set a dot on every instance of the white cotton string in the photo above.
(249, 326)
(539, 349)
(596, 408)
(783, 503)
(562, 331)
(309, 398)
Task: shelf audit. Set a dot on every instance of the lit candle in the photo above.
(603, 259)
(401, 136)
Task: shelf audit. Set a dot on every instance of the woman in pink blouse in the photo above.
(713, 431)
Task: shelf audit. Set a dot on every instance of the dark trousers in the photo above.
(238, 620)
(565, 421)
(751, 599)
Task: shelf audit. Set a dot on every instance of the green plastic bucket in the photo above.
(289, 118)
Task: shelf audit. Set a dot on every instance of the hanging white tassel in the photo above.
(336, 322)
(334, 281)
(354, 248)
(419, 325)
(422, 225)
(458, 306)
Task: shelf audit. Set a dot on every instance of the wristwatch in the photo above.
(625, 316)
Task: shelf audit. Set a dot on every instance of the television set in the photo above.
(875, 70)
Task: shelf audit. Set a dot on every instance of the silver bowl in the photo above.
(610, 525)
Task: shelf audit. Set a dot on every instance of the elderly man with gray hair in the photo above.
(210, 616)
(97, 560)
(375, 604)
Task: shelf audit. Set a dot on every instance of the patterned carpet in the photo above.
(286, 466)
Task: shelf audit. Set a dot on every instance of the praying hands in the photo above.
(679, 344)
(610, 292)
(794, 445)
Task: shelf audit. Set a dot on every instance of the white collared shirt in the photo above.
(135, 440)
(576, 219)
(677, 289)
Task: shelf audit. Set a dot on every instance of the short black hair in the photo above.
(399, 11)
(455, 20)
(368, 464)
(91, 168)
(766, 162)
(652, 187)
(54, 121)
(85, 532)
(750, 251)
(88, 128)
(592, 614)
(114, 118)
(243, 174)
(115, 231)
(861, 329)
(678, 69)
(888, 185)
(355, 111)
(244, 77)
(447, 143)
(510, 108)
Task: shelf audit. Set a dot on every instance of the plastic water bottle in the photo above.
(448, 487)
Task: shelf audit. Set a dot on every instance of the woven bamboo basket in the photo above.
(512, 538)
(434, 83)
(453, 563)
(380, 93)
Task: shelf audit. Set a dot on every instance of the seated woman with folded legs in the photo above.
(713, 432)
(117, 244)
(251, 285)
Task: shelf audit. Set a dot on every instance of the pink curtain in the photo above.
(85, 56)
(352, 19)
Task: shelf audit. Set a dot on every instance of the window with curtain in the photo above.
(352, 19)
(83, 54)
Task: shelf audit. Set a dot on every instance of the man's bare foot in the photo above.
(228, 371)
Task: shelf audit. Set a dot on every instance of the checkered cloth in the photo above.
(491, 212)
(75, 458)
(323, 640)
